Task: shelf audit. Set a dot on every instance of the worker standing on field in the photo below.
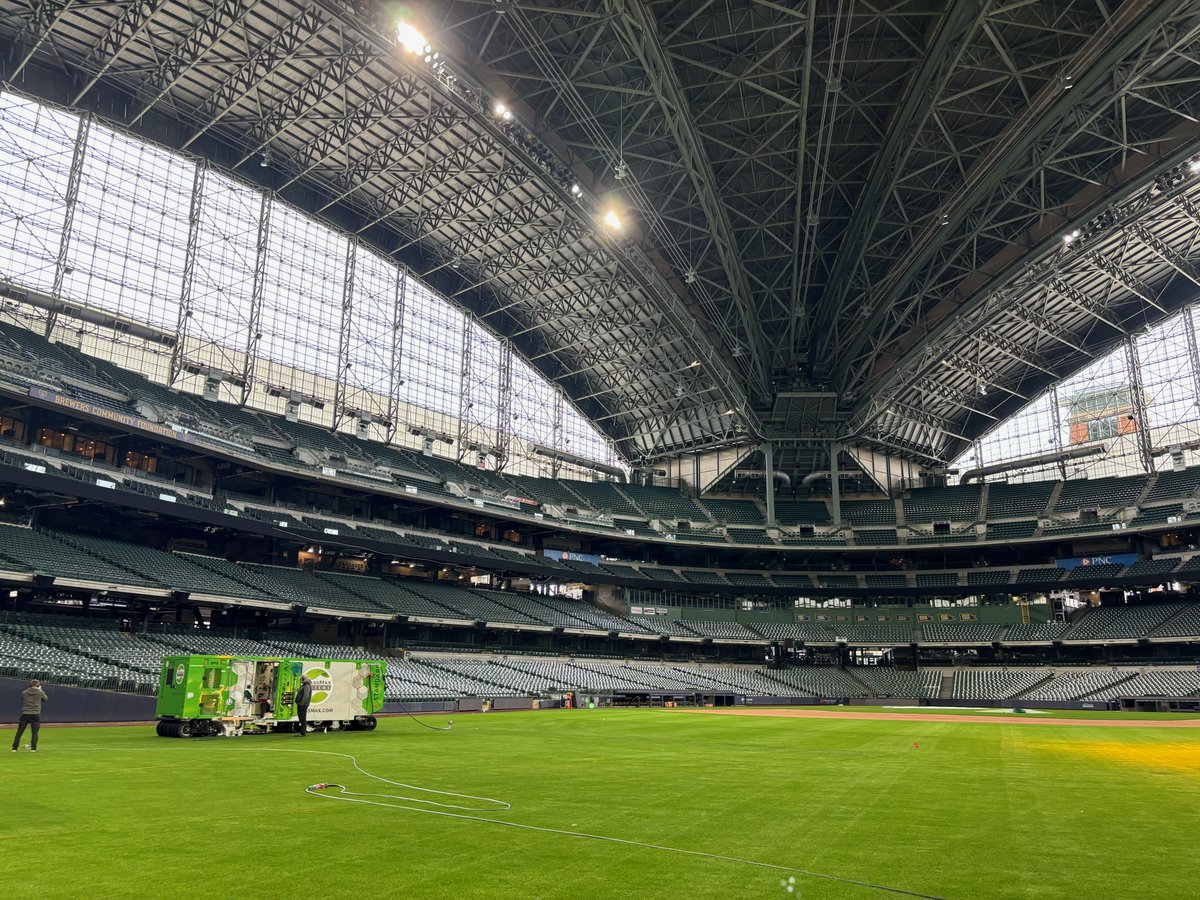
(32, 699)
(303, 698)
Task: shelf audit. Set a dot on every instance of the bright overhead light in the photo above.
(408, 37)
(1194, 165)
(502, 111)
(576, 190)
(612, 221)
(1071, 237)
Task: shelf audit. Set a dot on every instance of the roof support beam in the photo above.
(1093, 65)
(944, 47)
(635, 24)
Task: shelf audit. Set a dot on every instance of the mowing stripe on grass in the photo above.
(345, 795)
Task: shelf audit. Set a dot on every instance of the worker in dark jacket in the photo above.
(303, 698)
(32, 699)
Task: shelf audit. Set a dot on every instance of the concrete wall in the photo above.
(75, 704)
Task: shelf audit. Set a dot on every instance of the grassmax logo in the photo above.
(322, 684)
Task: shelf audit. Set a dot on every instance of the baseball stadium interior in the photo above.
(605, 350)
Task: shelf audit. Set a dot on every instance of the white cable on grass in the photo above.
(347, 796)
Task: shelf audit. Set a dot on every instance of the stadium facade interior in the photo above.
(605, 347)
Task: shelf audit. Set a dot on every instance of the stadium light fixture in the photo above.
(502, 111)
(411, 39)
(611, 220)
(1194, 166)
(1071, 236)
(576, 190)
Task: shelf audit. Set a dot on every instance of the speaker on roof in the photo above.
(362, 429)
(212, 389)
(292, 411)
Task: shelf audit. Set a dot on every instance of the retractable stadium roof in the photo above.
(842, 220)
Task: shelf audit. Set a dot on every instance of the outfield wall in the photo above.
(76, 704)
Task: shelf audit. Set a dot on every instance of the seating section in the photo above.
(884, 681)
(663, 503)
(1148, 568)
(1075, 685)
(802, 512)
(1040, 632)
(1010, 531)
(960, 633)
(1038, 575)
(36, 551)
(605, 497)
(869, 512)
(662, 625)
(876, 536)
(876, 635)
(984, 577)
(1018, 500)
(1153, 683)
(817, 681)
(735, 512)
(1094, 574)
(949, 504)
(1183, 484)
(1183, 624)
(33, 652)
(721, 631)
(1121, 622)
(1099, 493)
(986, 683)
(95, 653)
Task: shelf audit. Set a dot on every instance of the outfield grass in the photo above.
(1000, 712)
(978, 810)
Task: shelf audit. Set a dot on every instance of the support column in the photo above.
(1056, 438)
(768, 451)
(341, 386)
(504, 424)
(466, 400)
(69, 200)
(835, 481)
(1137, 399)
(557, 443)
(184, 320)
(253, 335)
(397, 350)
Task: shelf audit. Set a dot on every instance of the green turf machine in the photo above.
(202, 695)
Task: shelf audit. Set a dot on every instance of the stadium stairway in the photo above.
(432, 663)
(1033, 687)
(1052, 502)
(1108, 687)
(1146, 490)
(868, 690)
(946, 689)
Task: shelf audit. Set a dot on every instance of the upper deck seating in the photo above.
(948, 504)
(1010, 501)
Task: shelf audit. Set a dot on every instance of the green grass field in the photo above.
(977, 810)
